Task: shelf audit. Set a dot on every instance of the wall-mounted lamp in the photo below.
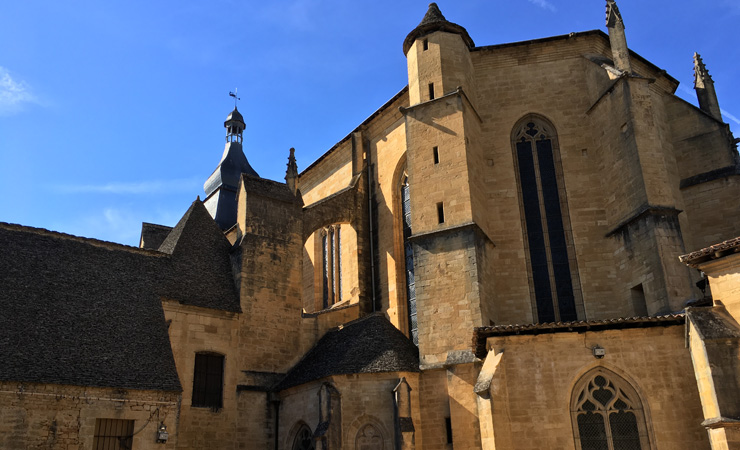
(162, 434)
(599, 351)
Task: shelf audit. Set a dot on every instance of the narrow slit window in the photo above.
(435, 151)
(440, 213)
(431, 91)
(639, 305)
(426, 44)
(448, 426)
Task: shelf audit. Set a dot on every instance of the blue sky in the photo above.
(111, 113)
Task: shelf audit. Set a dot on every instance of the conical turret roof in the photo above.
(434, 21)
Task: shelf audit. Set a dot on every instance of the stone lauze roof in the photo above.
(85, 312)
(367, 345)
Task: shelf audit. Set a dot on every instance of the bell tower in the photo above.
(221, 186)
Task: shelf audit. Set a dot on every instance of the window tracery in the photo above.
(369, 438)
(607, 414)
(303, 439)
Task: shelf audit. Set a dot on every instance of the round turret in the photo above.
(435, 21)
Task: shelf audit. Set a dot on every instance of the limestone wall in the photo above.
(531, 390)
(365, 399)
(63, 417)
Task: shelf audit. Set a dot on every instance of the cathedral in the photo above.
(532, 245)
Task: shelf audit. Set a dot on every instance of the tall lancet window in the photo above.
(607, 414)
(551, 257)
(408, 253)
(331, 249)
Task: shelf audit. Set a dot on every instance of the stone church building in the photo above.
(532, 245)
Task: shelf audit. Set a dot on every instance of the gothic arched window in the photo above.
(607, 414)
(408, 253)
(369, 438)
(303, 439)
(550, 255)
(331, 265)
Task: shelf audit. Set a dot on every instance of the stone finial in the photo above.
(291, 175)
(433, 15)
(704, 87)
(701, 75)
(617, 38)
(612, 14)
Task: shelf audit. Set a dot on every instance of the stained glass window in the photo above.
(542, 201)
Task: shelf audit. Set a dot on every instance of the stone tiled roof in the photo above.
(434, 21)
(367, 345)
(201, 273)
(152, 235)
(268, 188)
(81, 312)
(480, 334)
(712, 252)
(86, 312)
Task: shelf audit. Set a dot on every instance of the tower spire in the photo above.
(704, 86)
(617, 37)
(291, 175)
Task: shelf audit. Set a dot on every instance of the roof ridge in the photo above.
(109, 245)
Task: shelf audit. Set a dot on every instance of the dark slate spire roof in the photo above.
(235, 116)
(233, 163)
(435, 21)
(367, 345)
(82, 312)
(201, 261)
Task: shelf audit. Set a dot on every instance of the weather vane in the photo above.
(233, 94)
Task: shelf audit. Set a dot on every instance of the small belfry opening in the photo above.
(234, 125)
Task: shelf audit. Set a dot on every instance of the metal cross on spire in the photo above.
(233, 94)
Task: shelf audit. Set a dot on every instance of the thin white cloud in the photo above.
(544, 4)
(294, 14)
(729, 116)
(136, 187)
(14, 93)
(116, 224)
(692, 95)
